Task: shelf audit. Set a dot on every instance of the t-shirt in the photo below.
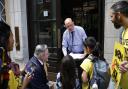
(125, 38)
(87, 66)
(125, 43)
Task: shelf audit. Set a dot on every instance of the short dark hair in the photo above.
(90, 42)
(4, 34)
(94, 46)
(121, 6)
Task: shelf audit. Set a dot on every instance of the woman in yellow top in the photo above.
(91, 48)
(6, 45)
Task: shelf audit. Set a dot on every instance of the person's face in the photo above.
(69, 26)
(115, 18)
(10, 42)
(44, 56)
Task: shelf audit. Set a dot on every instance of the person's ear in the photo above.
(118, 15)
(73, 22)
(41, 54)
(64, 26)
(87, 49)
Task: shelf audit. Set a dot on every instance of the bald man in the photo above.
(73, 38)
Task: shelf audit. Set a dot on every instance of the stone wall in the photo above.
(110, 33)
(17, 17)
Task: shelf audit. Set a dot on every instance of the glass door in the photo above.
(86, 13)
(44, 21)
(43, 24)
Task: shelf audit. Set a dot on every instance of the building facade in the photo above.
(40, 21)
(16, 17)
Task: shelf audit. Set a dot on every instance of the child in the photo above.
(93, 49)
(67, 77)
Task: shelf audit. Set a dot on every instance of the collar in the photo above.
(41, 62)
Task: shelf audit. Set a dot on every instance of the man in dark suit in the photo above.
(35, 66)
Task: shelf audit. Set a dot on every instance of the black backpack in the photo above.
(100, 73)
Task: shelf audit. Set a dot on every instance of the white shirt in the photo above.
(40, 62)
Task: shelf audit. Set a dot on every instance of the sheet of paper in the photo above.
(77, 56)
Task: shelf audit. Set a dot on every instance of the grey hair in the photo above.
(39, 49)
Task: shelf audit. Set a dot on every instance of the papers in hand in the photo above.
(77, 56)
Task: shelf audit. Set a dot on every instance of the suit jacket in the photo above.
(39, 80)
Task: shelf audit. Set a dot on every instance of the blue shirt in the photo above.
(79, 35)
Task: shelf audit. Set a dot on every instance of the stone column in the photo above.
(17, 18)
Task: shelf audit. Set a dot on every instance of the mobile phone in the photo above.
(30, 68)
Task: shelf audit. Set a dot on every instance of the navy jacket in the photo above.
(39, 80)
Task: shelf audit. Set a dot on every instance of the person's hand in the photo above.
(123, 66)
(26, 80)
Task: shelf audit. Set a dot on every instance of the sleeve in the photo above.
(64, 50)
(84, 36)
(86, 65)
(58, 82)
(64, 44)
(64, 41)
(39, 76)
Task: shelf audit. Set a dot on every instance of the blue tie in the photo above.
(72, 40)
(72, 37)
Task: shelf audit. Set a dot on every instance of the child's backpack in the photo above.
(100, 75)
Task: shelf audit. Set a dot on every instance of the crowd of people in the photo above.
(74, 41)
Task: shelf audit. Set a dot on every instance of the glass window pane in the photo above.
(44, 20)
(2, 10)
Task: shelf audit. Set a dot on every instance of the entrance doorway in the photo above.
(45, 16)
(86, 13)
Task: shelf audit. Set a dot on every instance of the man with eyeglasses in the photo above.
(73, 38)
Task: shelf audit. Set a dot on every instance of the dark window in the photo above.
(2, 10)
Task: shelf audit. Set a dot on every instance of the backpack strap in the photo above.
(88, 76)
(93, 59)
(95, 69)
